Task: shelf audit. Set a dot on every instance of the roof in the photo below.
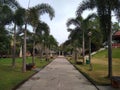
(117, 33)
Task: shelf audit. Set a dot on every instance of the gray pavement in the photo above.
(58, 75)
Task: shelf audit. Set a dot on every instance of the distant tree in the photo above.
(82, 25)
(115, 27)
(42, 31)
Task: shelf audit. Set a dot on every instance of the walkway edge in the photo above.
(89, 79)
(22, 82)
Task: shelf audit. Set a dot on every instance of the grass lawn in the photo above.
(100, 67)
(10, 77)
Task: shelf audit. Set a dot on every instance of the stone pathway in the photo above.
(58, 75)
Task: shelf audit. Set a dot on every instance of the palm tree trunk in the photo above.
(24, 50)
(14, 47)
(76, 56)
(109, 46)
(33, 53)
(109, 55)
(47, 51)
(83, 51)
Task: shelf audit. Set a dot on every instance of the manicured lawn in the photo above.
(100, 67)
(10, 77)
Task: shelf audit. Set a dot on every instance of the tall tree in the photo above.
(18, 21)
(82, 24)
(42, 31)
(33, 18)
(104, 10)
(6, 10)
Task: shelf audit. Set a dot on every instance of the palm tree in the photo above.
(6, 16)
(75, 41)
(18, 21)
(52, 43)
(82, 24)
(33, 18)
(104, 10)
(42, 31)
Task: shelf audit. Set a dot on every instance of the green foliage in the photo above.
(4, 41)
(115, 26)
(6, 15)
(45, 8)
(19, 16)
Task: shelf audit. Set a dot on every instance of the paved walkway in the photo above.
(58, 75)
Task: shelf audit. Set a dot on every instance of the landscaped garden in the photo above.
(100, 67)
(10, 77)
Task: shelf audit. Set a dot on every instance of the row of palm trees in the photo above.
(83, 26)
(13, 13)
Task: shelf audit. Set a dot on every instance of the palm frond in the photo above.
(33, 17)
(86, 4)
(6, 15)
(19, 16)
(45, 8)
(73, 21)
(12, 3)
(69, 29)
(42, 28)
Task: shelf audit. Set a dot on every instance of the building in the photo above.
(116, 39)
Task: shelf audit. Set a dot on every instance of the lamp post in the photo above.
(90, 34)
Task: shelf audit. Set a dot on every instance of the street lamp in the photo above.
(89, 35)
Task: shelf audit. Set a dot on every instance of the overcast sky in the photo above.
(64, 9)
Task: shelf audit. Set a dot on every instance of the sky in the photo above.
(64, 9)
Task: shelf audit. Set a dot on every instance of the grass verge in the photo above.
(10, 78)
(100, 67)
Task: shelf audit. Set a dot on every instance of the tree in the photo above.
(6, 10)
(51, 44)
(82, 24)
(18, 21)
(75, 39)
(33, 18)
(42, 32)
(104, 10)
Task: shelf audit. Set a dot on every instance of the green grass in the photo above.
(100, 67)
(104, 53)
(10, 77)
